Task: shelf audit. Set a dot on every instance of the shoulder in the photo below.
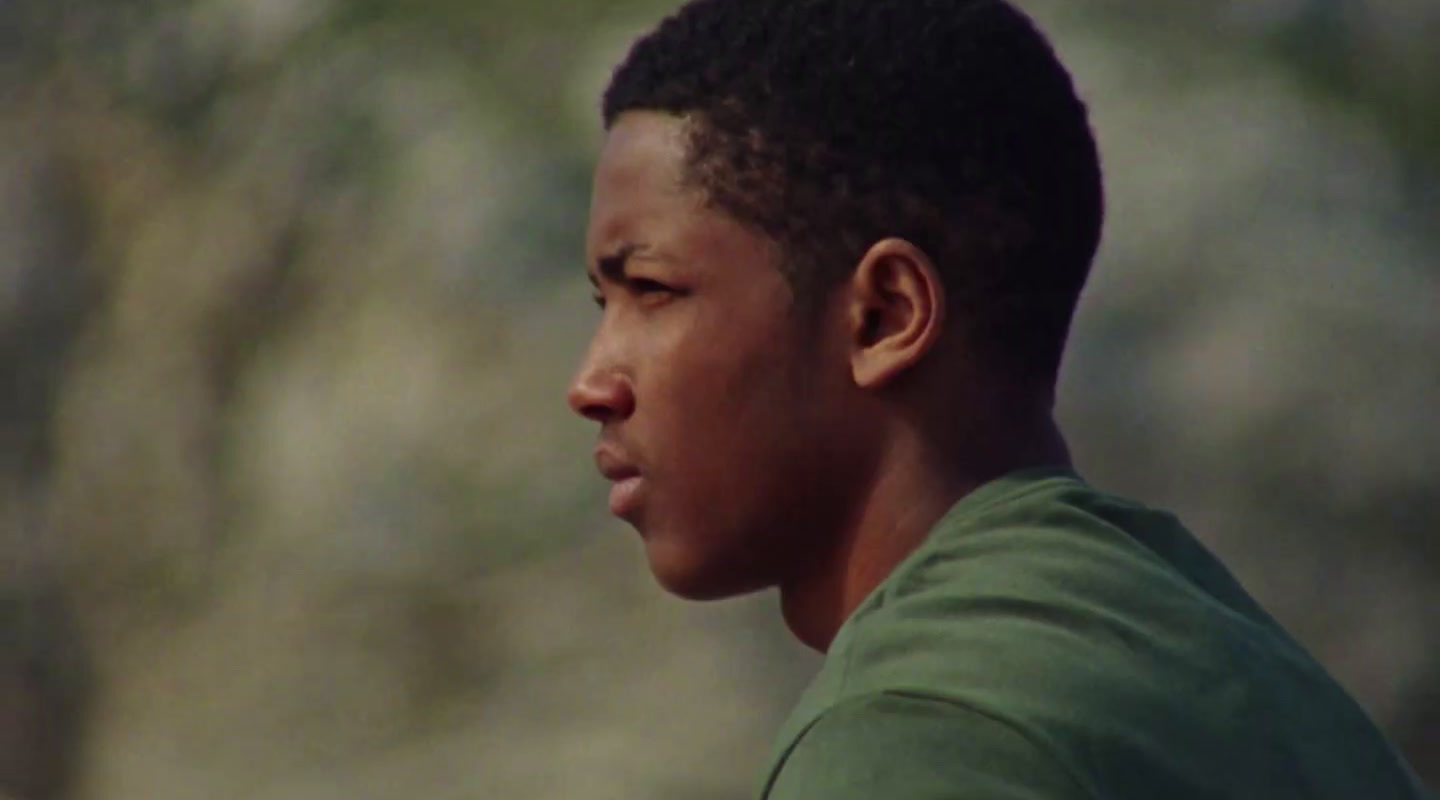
(1018, 615)
(916, 748)
(1057, 593)
(1017, 640)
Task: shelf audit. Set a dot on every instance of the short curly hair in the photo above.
(832, 124)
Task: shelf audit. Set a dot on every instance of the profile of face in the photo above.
(724, 413)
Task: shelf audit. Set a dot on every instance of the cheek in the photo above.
(725, 372)
(745, 462)
(735, 404)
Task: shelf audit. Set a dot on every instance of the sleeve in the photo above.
(901, 747)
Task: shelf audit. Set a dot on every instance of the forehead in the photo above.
(643, 205)
(641, 201)
(638, 179)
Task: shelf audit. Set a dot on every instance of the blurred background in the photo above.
(291, 505)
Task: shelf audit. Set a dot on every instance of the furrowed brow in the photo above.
(612, 267)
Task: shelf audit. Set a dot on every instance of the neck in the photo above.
(914, 487)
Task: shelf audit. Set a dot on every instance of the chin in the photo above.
(694, 576)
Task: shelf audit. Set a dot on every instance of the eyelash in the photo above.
(648, 286)
(639, 286)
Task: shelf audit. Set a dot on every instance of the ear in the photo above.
(897, 311)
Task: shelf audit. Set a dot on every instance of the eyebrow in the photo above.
(612, 266)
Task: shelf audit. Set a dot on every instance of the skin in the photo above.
(756, 442)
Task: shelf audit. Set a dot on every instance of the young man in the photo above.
(838, 244)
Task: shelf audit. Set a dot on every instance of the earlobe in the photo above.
(897, 312)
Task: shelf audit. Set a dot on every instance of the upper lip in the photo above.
(613, 465)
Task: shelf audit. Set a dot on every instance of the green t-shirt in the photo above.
(1051, 642)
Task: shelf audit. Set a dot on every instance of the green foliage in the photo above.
(291, 292)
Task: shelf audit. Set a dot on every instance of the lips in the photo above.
(625, 494)
(613, 465)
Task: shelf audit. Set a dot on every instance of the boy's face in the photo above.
(722, 410)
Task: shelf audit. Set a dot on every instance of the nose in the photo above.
(600, 392)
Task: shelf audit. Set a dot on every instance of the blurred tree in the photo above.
(290, 288)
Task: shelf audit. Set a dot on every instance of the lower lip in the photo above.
(624, 495)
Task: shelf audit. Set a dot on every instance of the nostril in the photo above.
(596, 412)
(601, 399)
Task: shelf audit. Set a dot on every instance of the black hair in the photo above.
(832, 124)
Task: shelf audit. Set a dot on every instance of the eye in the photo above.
(644, 286)
(650, 293)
